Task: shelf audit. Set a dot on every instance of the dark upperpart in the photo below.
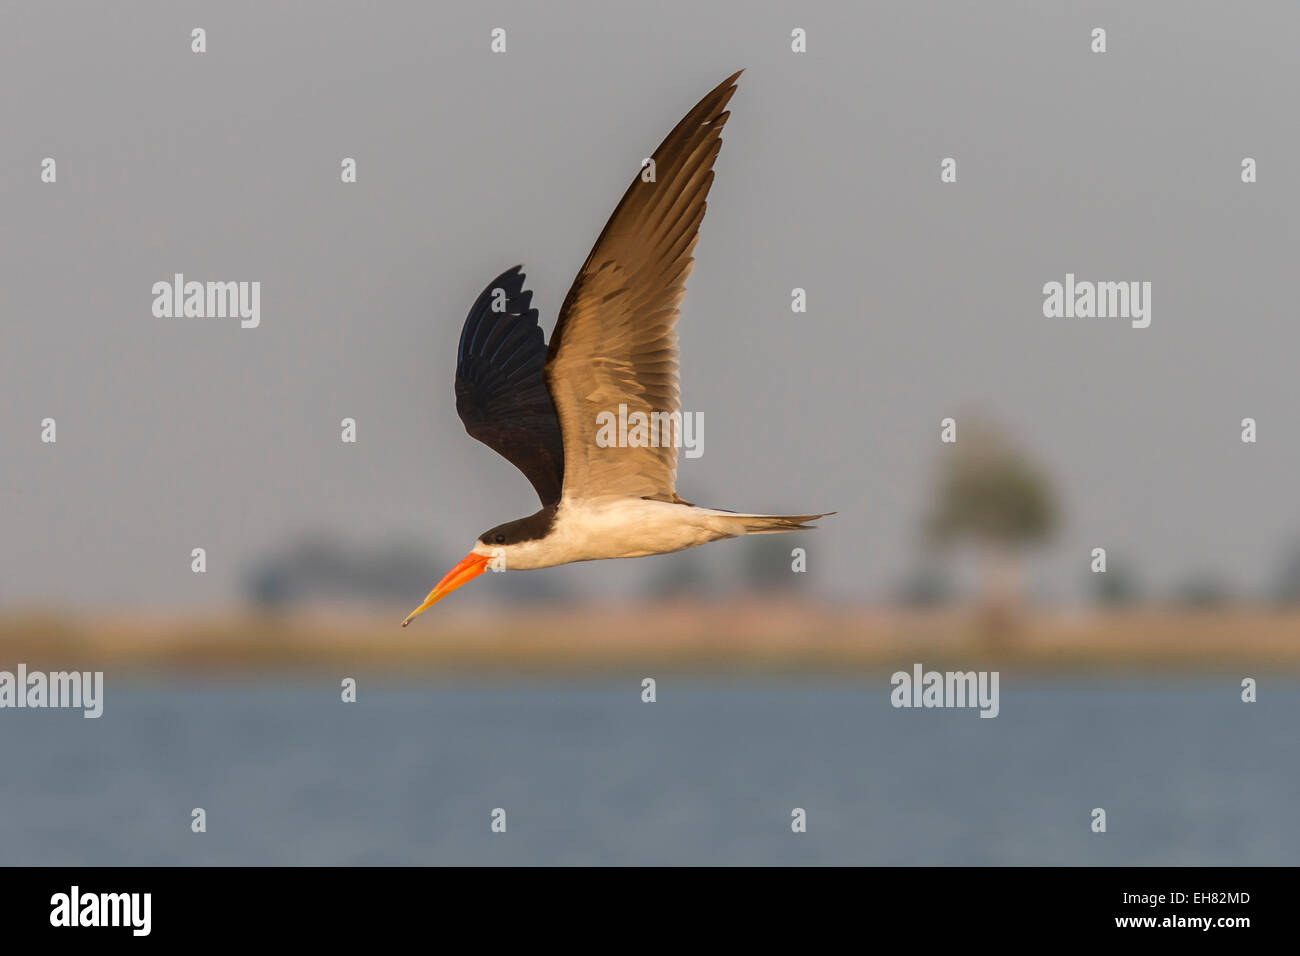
(533, 528)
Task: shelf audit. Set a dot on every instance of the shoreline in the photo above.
(747, 637)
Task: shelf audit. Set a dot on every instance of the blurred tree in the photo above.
(1287, 590)
(319, 566)
(685, 573)
(992, 496)
(268, 586)
(1116, 587)
(766, 566)
(926, 585)
(1203, 590)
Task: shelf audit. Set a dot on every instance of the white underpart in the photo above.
(619, 527)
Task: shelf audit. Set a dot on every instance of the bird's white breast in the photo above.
(615, 527)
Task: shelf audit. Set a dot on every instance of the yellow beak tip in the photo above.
(470, 567)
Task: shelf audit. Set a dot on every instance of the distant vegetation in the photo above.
(926, 585)
(992, 496)
(1286, 590)
(323, 568)
(1203, 590)
(1118, 587)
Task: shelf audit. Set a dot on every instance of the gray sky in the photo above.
(924, 299)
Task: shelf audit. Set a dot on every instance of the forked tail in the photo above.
(738, 524)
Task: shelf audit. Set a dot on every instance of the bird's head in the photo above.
(515, 544)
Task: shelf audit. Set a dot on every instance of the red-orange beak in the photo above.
(470, 567)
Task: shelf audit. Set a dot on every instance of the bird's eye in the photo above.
(501, 539)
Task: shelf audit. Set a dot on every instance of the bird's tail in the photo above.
(738, 524)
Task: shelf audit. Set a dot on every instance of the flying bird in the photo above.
(614, 344)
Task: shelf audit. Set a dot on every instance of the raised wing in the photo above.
(615, 342)
(501, 393)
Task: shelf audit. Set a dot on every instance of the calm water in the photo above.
(589, 774)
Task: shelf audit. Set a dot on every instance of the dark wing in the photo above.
(501, 393)
(615, 342)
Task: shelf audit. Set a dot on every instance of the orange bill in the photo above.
(470, 567)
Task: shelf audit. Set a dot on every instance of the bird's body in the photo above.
(614, 347)
(621, 527)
